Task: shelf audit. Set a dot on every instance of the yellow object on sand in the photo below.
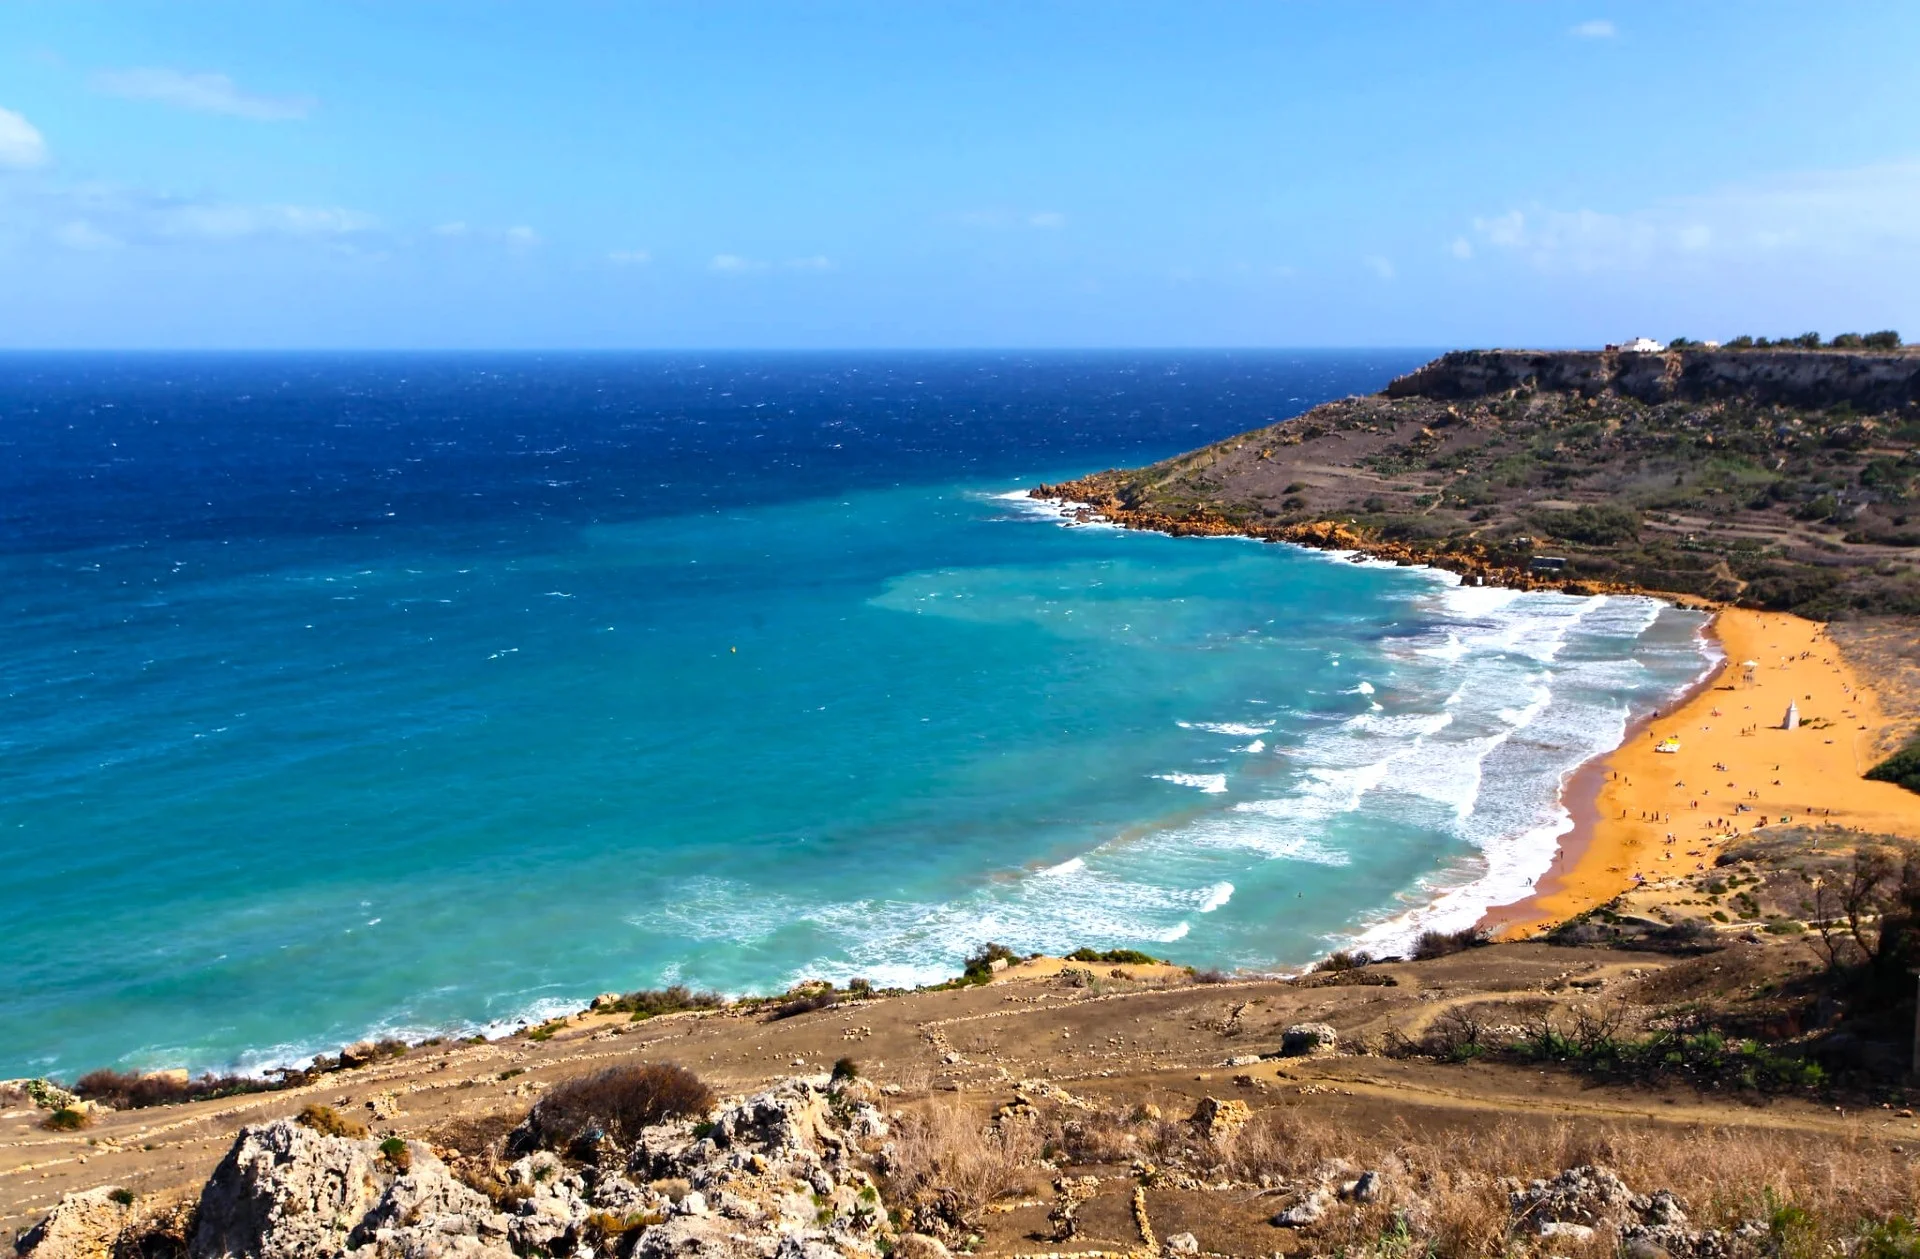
(1667, 745)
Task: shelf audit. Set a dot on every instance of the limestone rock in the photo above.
(1308, 1038)
(1579, 1195)
(1183, 1244)
(426, 1214)
(358, 1054)
(1365, 1188)
(1306, 1212)
(1218, 1120)
(285, 1192)
(80, 1226)
(550, 1205)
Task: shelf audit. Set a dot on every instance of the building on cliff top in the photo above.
(1639, 345)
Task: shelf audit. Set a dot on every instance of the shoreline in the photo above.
(1590, 863)
(1597, 858)
(1580, 796)
(1646, 820)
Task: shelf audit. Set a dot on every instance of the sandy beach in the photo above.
(1642, 813)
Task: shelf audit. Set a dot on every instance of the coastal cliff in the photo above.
(1791, 378)
(1776, 479)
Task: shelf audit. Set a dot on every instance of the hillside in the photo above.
(1387, 1109)
(1779, 479)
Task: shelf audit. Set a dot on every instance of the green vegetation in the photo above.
(1902, 768)
(66, 1119)
(1114, 957)
(398, 1156)
(650, 1003)
(1885, 340)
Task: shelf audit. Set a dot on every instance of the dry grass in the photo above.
(944, 1148)
(1449, 1188)
(327, 1120)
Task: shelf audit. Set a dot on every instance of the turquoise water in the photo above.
(269, 792)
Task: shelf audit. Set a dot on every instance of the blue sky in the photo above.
(922, 174)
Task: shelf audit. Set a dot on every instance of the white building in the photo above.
(1640, 345)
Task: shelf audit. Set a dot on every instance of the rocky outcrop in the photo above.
(1309, 1038)
(1799, 378)
(771, 1176)
(1219, 1120)
(426, 1214)
(81, 1226)
(286, 1192)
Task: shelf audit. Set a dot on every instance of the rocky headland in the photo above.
(1777, 479)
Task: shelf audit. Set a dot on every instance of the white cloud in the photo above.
(629, 257)
(1047, 219)
(1599, 28)
(522, 235)
(734, 264)
(1461, 248)
(1867, 211)
(20, 142)
(201, 93)
(818, 262)
(226, 221)
(84, 236)
(1382, 267)
(454, 228)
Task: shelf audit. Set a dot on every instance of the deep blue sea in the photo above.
(353, 694)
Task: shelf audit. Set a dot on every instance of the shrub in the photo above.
(1114, 957)
(1344, 960)
(1591, 526)
(1432, 944)
(126, 1090)
(979, 968)
(649, 1002)
(66, 1119)
(330, 1122)
(846, 1069)
(398, 1156)
(1901, 769)
(617, 1102)
(805, 1002)
(123, 1196)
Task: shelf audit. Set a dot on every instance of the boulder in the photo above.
(1308, 1038)
(1306, 1212)
(1218, 1120)
(81, 1225)
(1365, 1188)
(1183, 1244)
(285, 1192)
(605, 1002)
(358, 1054)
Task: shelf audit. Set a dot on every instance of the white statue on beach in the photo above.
(1792, 719)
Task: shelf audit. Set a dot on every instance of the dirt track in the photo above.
(1130, 1044)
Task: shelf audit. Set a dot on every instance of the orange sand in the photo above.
(1731, 744)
